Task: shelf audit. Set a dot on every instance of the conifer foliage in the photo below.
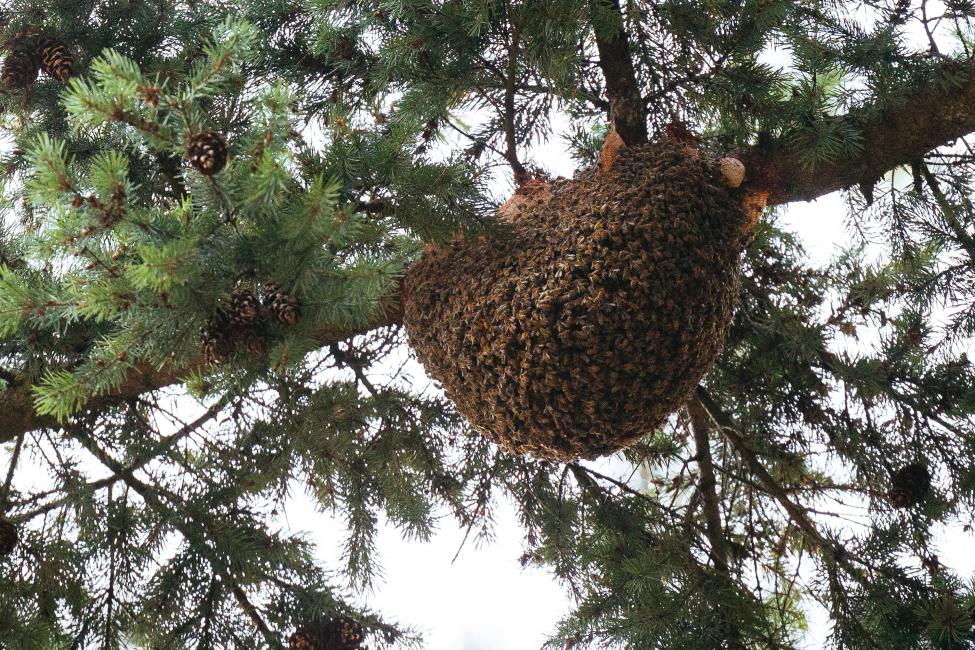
(209, 212)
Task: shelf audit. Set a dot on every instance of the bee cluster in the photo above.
(590, 323)
(529, 197)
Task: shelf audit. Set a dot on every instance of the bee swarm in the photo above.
(590, 322)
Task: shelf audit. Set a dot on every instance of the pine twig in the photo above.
(164, 445)
(728, 430)
(712, 514)
(833, 553)
(8, 481)
(152, 499)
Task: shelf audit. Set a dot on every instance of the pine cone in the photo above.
(346, 633)
(341, 633)
(56, 59)
(309, 637)
(207, 152)
(244, 306)
(19, 70)
(282, 306)
(216, 337)
(8, 537)
(909, 485)
(252, 340)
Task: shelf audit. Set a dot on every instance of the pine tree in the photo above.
(220, 202)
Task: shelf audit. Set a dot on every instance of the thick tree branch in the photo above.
(700, 427)
(829, 550)
(629, 113)
(903, 129)
(17, 413)
(708, 484)
(796, 513)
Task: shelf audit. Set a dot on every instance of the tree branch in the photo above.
(700, 427)
(707, 484)
(902, 129)
(163, 445)
(628, 111)
(833, 553)
(152, 499)
(17, 413)
(755, 466)
(923, 119)
(14, 459)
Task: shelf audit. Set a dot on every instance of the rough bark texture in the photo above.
(917, 122)
(922, 120)
(17, 413)
(629, 113)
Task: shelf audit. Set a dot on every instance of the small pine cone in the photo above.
(216, 338)
(19, 70)
(252, 340)
(8, 537)
(309, 637)
(56, 59)
(346, 633)
(282, 306)
(244, 306)
(207, 152)
(909, 485)
(341, 633)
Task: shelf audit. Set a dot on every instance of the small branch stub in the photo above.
(611, 148)
(754, 203)
(732, 171)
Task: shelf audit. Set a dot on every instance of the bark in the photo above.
(17, 413)
(627, 108)
(922, 119)
(707, 485)
(796, 513)
(901, 131)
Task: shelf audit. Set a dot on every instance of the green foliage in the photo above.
(360, 132)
